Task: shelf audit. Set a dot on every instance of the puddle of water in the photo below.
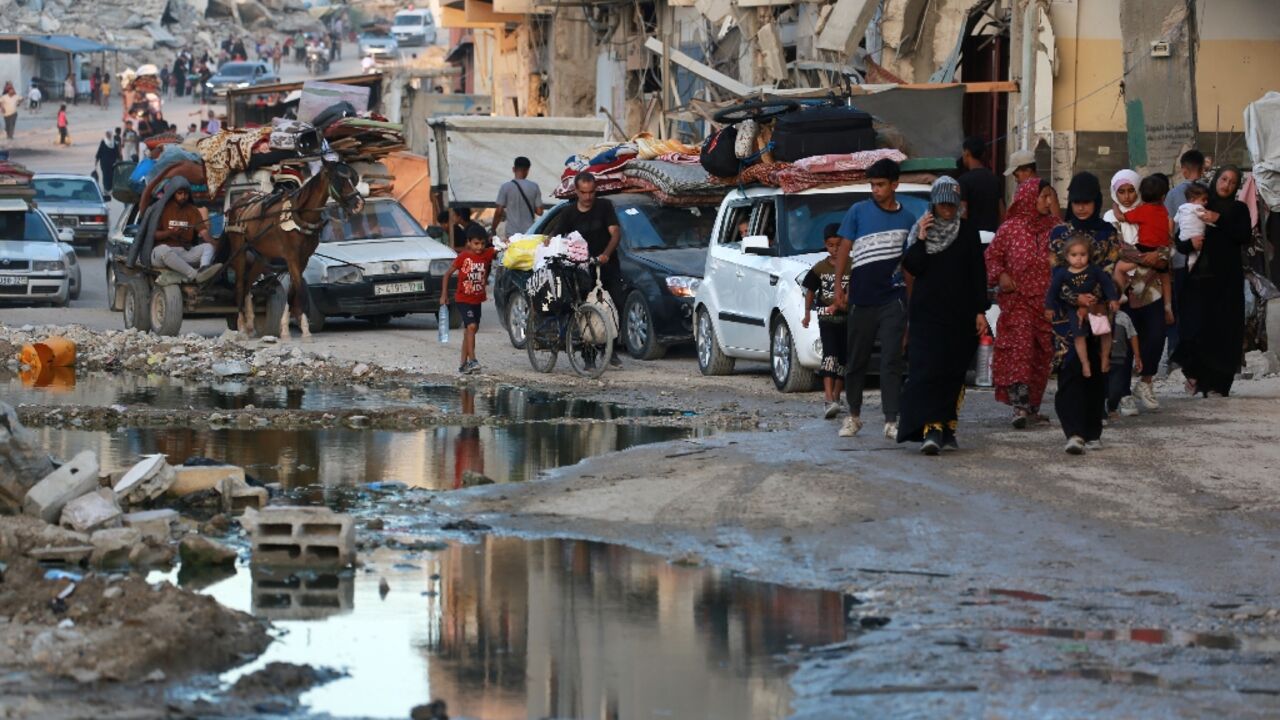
(434, 458)
(510, 628)
(1156, 636)
(163, 392)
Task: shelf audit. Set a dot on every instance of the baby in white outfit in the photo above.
(1190, 218)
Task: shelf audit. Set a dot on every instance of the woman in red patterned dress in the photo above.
(1018, 264)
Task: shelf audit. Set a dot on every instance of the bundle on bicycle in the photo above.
(569, 313)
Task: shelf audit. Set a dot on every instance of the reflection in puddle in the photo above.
(1113, 677)
(511, 628)
(1155, 636)
(435, 458)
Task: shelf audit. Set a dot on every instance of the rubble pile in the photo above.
(191, 356)
(152, 31)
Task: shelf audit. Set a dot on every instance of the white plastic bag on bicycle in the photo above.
(604, 302)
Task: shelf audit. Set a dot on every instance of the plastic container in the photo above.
(55, 351)
(982, 364)
(442, 323)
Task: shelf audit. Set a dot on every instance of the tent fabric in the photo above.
(1262, 136)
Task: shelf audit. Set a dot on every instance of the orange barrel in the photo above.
(35, 355)
(47, 376)
(62, 352)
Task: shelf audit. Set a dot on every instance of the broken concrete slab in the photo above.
(23, 462)
(773, 59)
(189, 479)
(303, 536)
(91, 511)
(113, 546)
(846, 25)
(151, 553)
(200, 551)
(238, 496)
(153, 524)
(62, 555)
(47, 498)
(147, 480)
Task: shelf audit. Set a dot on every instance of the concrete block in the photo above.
(113, 546)
(153, 524)
(303, 536)
(64, 555)
(145, 481)
(194, 478)
(302, 596)
(238, 496)
(47, 498)
(92, 511)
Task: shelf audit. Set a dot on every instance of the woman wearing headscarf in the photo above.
(1146, 301)
(107, 157)
(1017, 264)
(947, 281)
(1212, 324)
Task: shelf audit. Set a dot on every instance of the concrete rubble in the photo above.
(47, 498)
(92, 511)
(22, 462)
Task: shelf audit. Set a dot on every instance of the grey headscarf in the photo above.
(941, 233)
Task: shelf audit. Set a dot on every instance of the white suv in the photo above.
(750, 302)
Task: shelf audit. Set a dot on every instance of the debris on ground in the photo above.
(282, 678)
(198, 551)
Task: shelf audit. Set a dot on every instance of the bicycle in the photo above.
(560, 320)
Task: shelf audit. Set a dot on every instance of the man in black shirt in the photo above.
(461, 222)
(980, 188)
(595, 220)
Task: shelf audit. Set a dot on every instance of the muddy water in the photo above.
(509, 628)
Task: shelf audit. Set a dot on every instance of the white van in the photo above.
(414, 27)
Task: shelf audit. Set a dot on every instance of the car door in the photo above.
(724, 270)
(757, 279)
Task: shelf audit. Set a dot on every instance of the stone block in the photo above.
(61, 555)
(47, 498)
(194, 478)
(153, 524)
(147, 480)
(113, 546)
(238, 496)
(92, 511)
(303, 536)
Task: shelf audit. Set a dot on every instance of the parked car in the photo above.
(662, 253)
(375, 265)
(75, 202)
(240, 74)
(34, 265)
(379, 43)
(414, 27)
(750, 302)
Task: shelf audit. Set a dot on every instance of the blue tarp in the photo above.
(68, 43)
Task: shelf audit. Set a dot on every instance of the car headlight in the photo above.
(683, 286)
(242, 85)
(346, 274)
(48, 266)
(439, 267)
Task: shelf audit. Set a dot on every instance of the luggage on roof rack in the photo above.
(822, 131)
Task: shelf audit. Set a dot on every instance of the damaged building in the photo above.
(1087, 84)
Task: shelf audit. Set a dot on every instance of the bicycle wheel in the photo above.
(587, 341)
(755, 110)
(542, 340)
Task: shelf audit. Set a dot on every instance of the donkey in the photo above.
(286, 225)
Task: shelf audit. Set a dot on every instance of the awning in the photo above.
(68, 43)
(455, 55)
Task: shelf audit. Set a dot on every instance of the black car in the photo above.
(662, 253)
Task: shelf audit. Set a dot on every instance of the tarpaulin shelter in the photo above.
(48, 59)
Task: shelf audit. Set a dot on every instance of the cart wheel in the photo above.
(755, 110)
(137, 305)
(588, 341)
(166, 310)
(268, 322)
(542, 341)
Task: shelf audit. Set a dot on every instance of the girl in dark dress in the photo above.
(1212, 324)
(946, 316)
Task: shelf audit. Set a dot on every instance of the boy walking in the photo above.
(472, 266)
(873, 235)
(820, 288)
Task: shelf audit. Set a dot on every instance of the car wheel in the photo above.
(315, 316)
(788, 375)
(137, 305)
(166, 310)
(517, 318)
(114, 298)
(638, 331)
(711, 359)
(268, 322)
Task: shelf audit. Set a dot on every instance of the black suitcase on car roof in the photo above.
(822, 131)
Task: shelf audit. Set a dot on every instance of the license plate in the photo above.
(13, 280)
(400, 288)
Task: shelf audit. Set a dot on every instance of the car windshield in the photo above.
(56, 190)
(804, 216)
(409, 20)
(236, 69)
(660, 227)
(24, 226)
(375, 221)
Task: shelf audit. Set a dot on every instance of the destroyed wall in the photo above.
(152, 31)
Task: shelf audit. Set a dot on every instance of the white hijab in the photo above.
(1128, 231)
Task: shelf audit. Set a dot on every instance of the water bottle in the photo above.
(442, 323)
(982, 365)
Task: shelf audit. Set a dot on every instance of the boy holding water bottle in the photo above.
(472, 265)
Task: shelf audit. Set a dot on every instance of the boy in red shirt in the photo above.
(1155, 234)
(472, 266)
